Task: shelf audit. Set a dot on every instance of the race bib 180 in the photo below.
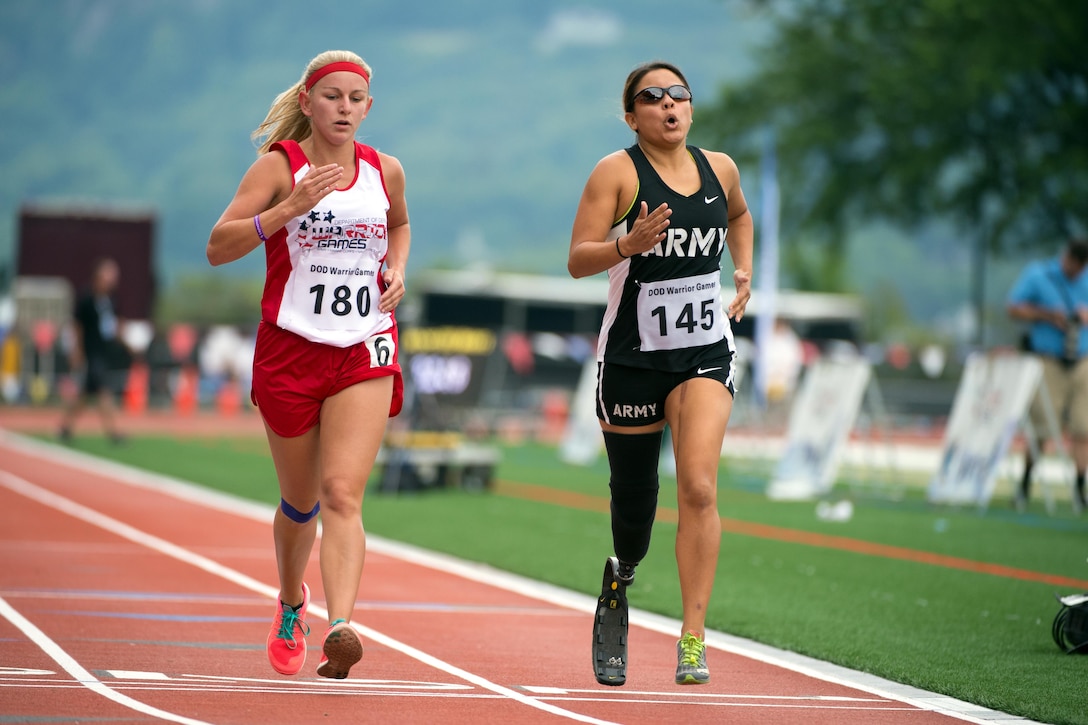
(334, 292)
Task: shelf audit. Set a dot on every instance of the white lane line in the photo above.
(299, 688)
(562, 691)
(807, 706)
(409, 685)
(719, 699)
(136, 675)
(81, 675)
(119, 528)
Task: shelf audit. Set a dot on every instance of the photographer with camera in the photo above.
(1052, 297)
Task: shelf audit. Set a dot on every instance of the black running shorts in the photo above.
(630, 396)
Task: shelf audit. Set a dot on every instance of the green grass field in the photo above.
(980, 637)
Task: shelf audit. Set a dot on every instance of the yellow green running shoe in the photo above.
(691, 666)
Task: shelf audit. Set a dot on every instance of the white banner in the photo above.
(824, 412)
(992, 399)
(582, 441)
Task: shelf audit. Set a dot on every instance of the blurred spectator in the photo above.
(10, 353)
(96, 326)
(785, 358)
(1052, 296)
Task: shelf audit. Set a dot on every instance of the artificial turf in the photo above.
(785, 577)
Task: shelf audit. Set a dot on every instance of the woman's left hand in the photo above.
(394, 290)
(743, 281)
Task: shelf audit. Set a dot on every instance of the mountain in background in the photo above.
(498, 110)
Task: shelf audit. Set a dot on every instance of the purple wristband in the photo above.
(260, 232)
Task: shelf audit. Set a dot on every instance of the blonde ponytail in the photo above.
(285, 119)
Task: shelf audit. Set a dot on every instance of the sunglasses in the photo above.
(653, 94)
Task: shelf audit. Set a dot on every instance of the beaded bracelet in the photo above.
(622, 255)
(260, 232)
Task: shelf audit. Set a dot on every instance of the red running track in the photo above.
(131, 598)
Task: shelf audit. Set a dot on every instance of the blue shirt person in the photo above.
(1052, 297)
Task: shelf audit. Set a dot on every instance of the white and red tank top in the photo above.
(324, 267)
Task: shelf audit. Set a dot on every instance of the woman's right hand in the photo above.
(647, 231)
(319, 182)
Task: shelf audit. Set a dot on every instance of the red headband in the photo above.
(332, 68)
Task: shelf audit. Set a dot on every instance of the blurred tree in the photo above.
(971, 111)
(210, 299)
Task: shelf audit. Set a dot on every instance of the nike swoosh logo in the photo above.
(709, 199)
(702, 371)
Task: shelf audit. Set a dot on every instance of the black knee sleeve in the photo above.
(633, 460)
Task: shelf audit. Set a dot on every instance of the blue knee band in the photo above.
(297, 516)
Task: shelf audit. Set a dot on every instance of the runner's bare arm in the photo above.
(400, 237)
(741, 232)
(607, 194)
(266, 190)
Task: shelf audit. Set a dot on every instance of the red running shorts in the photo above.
(293, 376)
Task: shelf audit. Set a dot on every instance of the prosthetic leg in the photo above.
(610, 628)
(633, 460)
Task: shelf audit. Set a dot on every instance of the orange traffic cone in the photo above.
(185, 394)
(228, 401)
(135, 395)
